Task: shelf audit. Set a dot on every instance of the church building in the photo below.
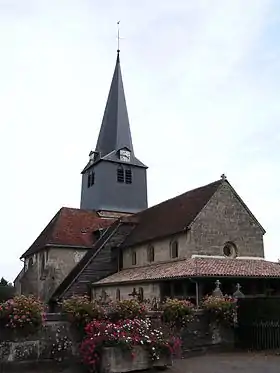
(115, 246)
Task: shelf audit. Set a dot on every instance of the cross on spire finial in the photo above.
(218, 283)
(118, 50)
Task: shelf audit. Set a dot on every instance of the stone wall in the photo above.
(57, 343)
(150, 291)
(43, 280)
(224, 219)
(161, 250)
(199, 335)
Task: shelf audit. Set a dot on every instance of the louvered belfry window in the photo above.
(128, 176)
(91, 179)
(120, 174)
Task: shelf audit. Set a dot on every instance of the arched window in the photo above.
(118, 294)
(141, 294)
(120, 174)
(151, 254)
(174, 249)
(43, 262)
(30, 262)
(133, 258)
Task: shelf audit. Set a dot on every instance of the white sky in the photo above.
(202, 85)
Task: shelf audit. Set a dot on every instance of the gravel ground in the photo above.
(229, 363)
(212, 363)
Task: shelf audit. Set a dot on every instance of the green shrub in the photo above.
(81, 310)
(178, 312)
(221, 309)
(126, 309)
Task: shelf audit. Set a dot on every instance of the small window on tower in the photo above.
(128, 176)
(120, 174)
(91, 179)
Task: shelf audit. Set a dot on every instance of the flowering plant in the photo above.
(178, 312)
(23, 313)
(81, 310)
(125, 334)
(126, 309)
(221, 309)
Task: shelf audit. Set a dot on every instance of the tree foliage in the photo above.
(7, 290)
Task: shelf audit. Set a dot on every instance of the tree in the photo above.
(7, 290)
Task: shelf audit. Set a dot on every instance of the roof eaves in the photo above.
(198, 276)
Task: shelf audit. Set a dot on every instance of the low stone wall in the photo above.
(200, 335)
(57, 342)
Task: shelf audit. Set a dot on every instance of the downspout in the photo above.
(196, 286)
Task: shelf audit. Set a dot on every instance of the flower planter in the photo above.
(117, 360)
(163, 362)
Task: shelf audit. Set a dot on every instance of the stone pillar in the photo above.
(217, 292)
(238, 293)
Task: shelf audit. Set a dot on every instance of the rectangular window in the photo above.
(128, 176)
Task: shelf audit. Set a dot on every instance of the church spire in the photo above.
(115, 129)
(114, 179)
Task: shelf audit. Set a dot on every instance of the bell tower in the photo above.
(114, 179)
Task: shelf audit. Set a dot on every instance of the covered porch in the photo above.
(196, 288)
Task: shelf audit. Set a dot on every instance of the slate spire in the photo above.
(115, 129)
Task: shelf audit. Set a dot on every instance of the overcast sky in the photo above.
(202, 85)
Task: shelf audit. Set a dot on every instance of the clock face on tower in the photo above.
(125, 155)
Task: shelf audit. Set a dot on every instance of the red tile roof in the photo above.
(171, 216)
(69, 227)
(196, 267)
